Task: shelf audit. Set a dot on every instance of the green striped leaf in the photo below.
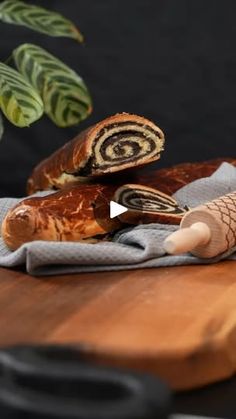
(38, 19)
(65, 96)
(1, 126)
(19, 101)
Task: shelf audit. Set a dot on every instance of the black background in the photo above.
(171, 61)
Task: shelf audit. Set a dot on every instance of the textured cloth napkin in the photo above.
(136, 247)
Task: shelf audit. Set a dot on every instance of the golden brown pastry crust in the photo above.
(72, 214)
(114, 144)
(170, 179)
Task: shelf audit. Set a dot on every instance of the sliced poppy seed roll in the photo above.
(114, 144)
(147, 205)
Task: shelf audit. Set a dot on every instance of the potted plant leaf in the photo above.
(34, 82)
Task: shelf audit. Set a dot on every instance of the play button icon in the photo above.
(105, 211)
(116, 209)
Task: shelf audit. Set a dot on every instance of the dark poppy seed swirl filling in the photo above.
(148, 201)
(119, 142)
(124, 142)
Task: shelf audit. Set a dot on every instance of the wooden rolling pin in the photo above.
(207, 230)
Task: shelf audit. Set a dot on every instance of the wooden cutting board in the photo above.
(178, 322)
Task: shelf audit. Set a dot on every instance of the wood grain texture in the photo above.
(179, 323)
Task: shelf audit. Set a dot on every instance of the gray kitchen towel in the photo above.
(133, 247)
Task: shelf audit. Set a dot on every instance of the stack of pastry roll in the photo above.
(80, 208)
(117, 143)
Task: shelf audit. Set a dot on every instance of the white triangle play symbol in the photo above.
(116, 209)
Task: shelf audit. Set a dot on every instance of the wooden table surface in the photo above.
(129, 312)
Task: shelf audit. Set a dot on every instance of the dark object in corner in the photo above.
(57, 382)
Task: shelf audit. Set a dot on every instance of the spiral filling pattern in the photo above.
(146, 201)
(125, 142)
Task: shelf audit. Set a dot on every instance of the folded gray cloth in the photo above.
(136, 247)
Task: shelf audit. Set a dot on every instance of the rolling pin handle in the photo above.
(186, 239)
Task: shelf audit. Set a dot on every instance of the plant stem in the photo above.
(8, 60)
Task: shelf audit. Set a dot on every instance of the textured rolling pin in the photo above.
(207, 230)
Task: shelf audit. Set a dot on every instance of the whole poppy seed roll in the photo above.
(72, 214)
(119, 142)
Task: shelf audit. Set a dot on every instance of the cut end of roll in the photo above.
(119, 142)
(147, 205)
(122, 141)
